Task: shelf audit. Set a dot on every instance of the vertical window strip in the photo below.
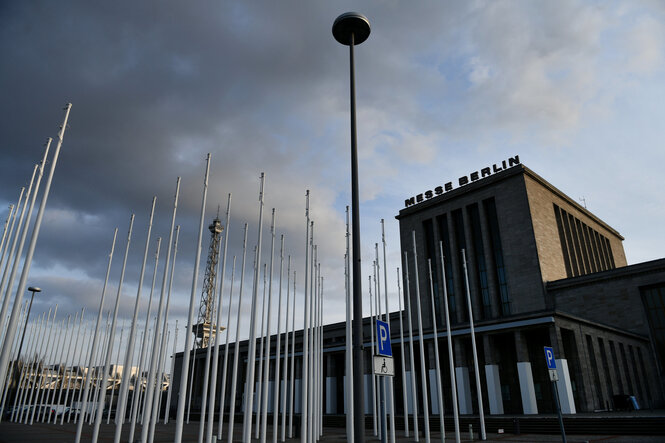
(587, 243)
(481, 266)
(629, 379)
(495, 245)
(594, 368)
(603, 245)
(445, 238)
(596, 252)
(571, 244)
(603, 358)
(428, 227)
(585, 254)
(458, 227)
(562, 240)
(615, 364)
(609, 252)
(576, 244)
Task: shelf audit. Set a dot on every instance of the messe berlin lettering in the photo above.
(463, 180)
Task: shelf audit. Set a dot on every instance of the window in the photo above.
(497, 253)
(481, 266)
(584, 249)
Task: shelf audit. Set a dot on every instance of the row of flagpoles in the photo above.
(94, 358)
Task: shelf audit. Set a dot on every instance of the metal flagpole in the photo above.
(414, 401)
(121, 406)
(436, 355)
(293, 358)
(69, 379)
(403, 350)
(16, 349)
(349, 350)
(11, 329)
(98, 371)
(27, 401)
(156, 404)
(259, 379)
(286, 349)
(190, 316)
(160, 310)
(305, 341)
(10, 234)
(4, 231)
(40, 384)
(276, 390)
(389, 381)
(422, 340)
(142, 355)
(35, 342)
(14, 263)
(212, 342)
(95, 339)
(161, 376)
(451, 359)
(21, 368)
(313, 364)
(64, 372)
(381, 380)
(222, 396)
(266, 356)
(251, 353)
(115, 375)
(86, 352)
(234, 373)
(175, 339)
(167, 413)
(59, 362)
(308, 411)
(483, 436)
(371, 328)
(215, 360)
(111, 338)
(54, 357)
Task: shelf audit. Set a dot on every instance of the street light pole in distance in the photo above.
(27, 317)
(350, 29)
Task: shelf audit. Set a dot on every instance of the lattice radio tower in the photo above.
(203, 325)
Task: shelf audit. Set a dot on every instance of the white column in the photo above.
(409, 392)
(464, 390)
(564, 387)
(331, 395)
(527, 390)
(433, 391)
(494, 389)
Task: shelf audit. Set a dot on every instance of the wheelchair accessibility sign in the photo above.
(384, 366)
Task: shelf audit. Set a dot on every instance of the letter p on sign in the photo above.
(549, 358)
(383, 335)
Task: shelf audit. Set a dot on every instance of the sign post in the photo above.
(554, 377)
(383, 366)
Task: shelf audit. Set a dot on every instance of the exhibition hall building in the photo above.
(542, 271)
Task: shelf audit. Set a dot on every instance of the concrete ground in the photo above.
(43, 433)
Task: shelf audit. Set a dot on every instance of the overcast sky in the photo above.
(575, 88)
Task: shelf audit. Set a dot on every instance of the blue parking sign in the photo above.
(549, 358)
(383, 338)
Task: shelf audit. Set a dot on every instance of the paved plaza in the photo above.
(43, 433)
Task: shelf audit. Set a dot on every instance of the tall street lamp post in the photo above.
(27, 317)
(352, 29)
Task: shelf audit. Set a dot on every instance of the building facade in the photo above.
(542, 271)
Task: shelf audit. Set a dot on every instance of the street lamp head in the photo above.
(351, 23)
(33, 289)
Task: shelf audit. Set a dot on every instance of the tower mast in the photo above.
(203, 326)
